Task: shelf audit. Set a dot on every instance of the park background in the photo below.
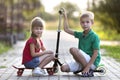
(15, 17)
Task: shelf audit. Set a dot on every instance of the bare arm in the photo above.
(66, 26)
(32, 50)
(43, 48)
(34, 54)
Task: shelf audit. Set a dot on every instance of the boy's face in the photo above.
(86, 23)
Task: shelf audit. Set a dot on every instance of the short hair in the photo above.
(37, 22)
(87, 14)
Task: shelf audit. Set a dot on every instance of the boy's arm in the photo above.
(66, 26)
(86, 69)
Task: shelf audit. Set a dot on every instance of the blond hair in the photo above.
(87, 14)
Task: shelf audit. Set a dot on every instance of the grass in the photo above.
(4, 47)
(112, 51)
(2, 67)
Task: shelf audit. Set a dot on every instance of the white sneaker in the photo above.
(37, 72)
(44, 71)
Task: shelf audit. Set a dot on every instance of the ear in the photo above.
(92, 22)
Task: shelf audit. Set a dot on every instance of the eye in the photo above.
(41, 28)
(87, 21)
(82, 22)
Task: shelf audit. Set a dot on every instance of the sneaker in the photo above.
(89, 74)
(37, 72)
(44, 71)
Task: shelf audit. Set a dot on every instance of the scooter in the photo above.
(56, 62)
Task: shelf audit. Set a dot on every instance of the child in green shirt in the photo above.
(87, 55)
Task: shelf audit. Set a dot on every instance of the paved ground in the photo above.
(13, 57)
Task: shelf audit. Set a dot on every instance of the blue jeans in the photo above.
(35, 62)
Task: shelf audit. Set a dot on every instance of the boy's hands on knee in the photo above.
(85, 70)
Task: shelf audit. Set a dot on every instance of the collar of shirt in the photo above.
(90, 32)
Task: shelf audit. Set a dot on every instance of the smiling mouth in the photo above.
(39, 33)
(85, 27)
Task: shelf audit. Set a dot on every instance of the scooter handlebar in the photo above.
(61, 11)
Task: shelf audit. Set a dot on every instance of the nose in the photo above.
(84, 23)
(39, 31)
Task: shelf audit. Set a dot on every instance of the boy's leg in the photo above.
(81, 56)
(76, 66)
(77, 55)
(71, 67)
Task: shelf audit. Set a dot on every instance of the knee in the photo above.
(65, 68)
(52, 56)
(50, 52)
(73, 49)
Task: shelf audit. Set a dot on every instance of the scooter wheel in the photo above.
(19, 73)
(102, 70)
(50, 71)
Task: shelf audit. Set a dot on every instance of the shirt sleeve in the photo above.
(31, 40)
(77, 34)
(96, 42)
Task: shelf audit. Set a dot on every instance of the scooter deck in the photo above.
(100, 69)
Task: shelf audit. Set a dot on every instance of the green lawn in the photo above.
(112, 51)
(4, 47)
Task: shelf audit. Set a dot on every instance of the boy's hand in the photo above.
(62, 11)
(65, 23)
(85, 70)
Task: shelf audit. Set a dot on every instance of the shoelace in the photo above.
(43, 71)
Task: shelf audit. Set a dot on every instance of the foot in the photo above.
(89, 74)
(44, 71)
(38, 72)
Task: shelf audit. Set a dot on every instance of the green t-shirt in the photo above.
(89, 43)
